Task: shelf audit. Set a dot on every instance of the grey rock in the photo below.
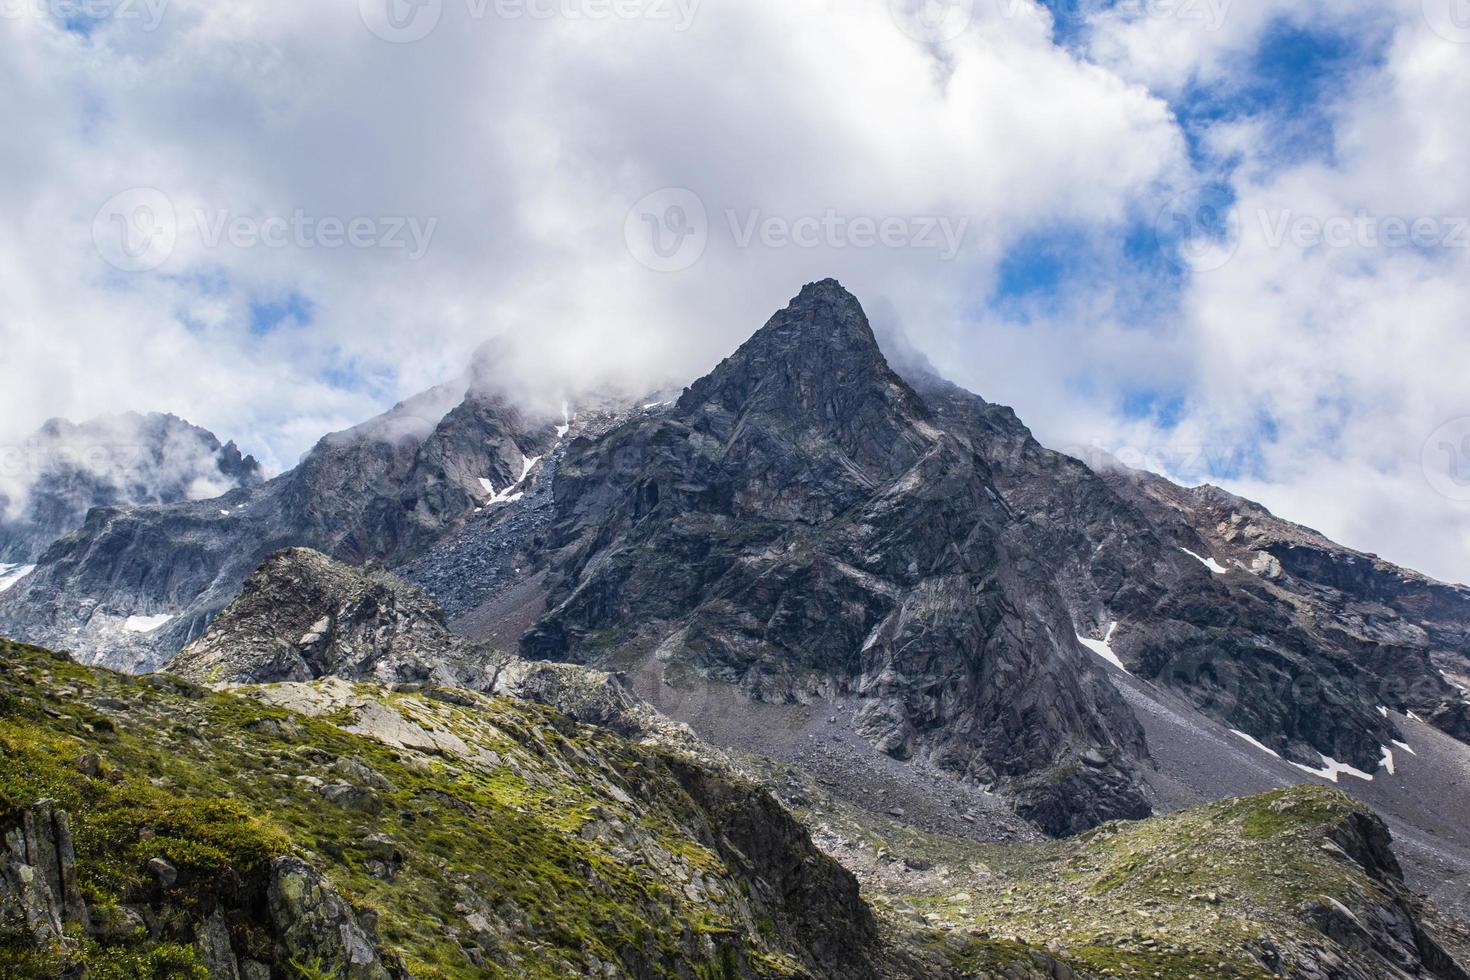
(387, 489)
(212, 940)
(120, 461)
(165, 875)
(799, 516)
(315, 925)
(39, 893)
(356, 798)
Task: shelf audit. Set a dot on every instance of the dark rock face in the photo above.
(50, 482)
(810, 899)
(1235, 644)
(1384, 932)
(798, 522)
(303, 616)
(314, 924)
(308, 920)
(39, 894)
(1307, 640)
(803, 523)
(384, 490)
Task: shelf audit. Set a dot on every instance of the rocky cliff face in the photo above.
(134, 586)
(303, 617)
(797, 523)
(1404, 637)
(50, 481)
(365, 832)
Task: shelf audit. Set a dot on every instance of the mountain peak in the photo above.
(819, 349)
(826, 311)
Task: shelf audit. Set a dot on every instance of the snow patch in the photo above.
(1383, 711)
(224, 513)
(1209, 563)
(146, 624)
(566, 417)
(1104, 648)
(1331, 769)
(1405, 747)
(10, 574)
(1266, 749)
(511, 493)
(1387, 761)
(1416, 718)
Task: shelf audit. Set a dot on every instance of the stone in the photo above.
(356, 798)
(165, 875)
(316, 925)
(212, 940)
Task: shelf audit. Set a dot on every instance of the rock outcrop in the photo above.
(38, 877)
(303, 616)
(314, 925)
(132, 587)
(50, 481)
(797, 524)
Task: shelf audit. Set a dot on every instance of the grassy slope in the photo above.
(217, 784)
(575, 843)
(1195, 894)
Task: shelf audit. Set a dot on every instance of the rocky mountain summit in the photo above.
(52, 479)
(798, 524)
(132, 587)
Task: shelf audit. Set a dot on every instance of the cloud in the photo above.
(525, 142)
(1325, 350)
